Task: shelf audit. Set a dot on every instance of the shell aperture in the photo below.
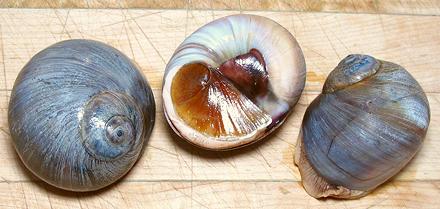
(79, 114)
(212, 101)
(233, 81)
(367, 124)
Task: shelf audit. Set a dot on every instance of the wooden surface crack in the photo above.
(3, 57)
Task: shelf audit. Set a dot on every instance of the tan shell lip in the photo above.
(231, 147)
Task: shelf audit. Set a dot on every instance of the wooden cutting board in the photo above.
(174, 174)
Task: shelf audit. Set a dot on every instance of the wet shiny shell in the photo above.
(79, 114)
(233, 81)
(365, 126)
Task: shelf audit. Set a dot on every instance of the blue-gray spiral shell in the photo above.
(367, 124)
(79, 114)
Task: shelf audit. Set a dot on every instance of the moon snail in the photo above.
(365, 126)
(232, 82)
(79, 114)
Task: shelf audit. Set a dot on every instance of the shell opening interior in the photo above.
(223, 101)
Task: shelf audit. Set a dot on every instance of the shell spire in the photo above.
(108, 126)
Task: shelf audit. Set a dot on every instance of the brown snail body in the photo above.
(365, 126)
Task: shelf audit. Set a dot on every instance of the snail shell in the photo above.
(233, 81)
(79, 114)
(365, 126)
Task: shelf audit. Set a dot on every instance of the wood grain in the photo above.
(424, 7)
(263, 175)
(212, 194)
(151, 36)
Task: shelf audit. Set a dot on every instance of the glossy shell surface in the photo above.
(365, 126)
(233, 81)
(79, 114)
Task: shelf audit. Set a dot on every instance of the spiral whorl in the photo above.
(109, 124)
(79, 113)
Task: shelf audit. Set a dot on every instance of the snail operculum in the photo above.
(109, 124)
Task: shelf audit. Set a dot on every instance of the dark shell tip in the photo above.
(355, 64)
(350, 70)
